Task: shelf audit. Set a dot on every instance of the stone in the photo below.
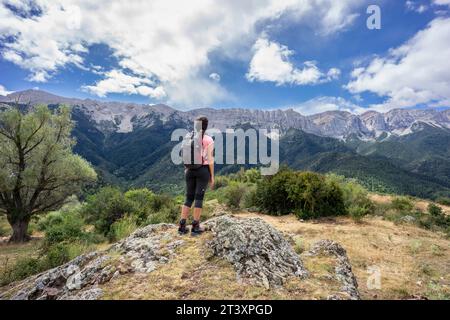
(258, 252)
(343, 269)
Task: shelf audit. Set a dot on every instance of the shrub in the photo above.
(308, 194)
(233, 194)
(21, 269)
(106, 207)
(143, 201)
(66, 226)
(249, 200)
(56, 255)
(251, 176)
(122, 228)
(314, 196)
(165, 215)
(444, 201)
(402, 204)
(5, 230)
(434, 210)
(221, 182)
(356, 197)
(52, 218)
(272, 193)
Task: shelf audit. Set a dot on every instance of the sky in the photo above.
(309, 55)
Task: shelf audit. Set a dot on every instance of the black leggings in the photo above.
(196, 183)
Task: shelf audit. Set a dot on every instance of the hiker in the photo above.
(198, 174)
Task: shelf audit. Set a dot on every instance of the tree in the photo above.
(38, 170)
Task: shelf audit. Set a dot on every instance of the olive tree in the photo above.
(38, 170)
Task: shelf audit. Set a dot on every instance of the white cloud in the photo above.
(215, 77)
(271, 63)
(168, 41)
(414, 73)
(441, 2)
(415, 6)
(4, 92)
(323, 104)
(117, 82)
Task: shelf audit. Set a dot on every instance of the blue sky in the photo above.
(311, 55)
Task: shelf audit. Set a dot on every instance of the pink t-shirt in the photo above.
(206, 142)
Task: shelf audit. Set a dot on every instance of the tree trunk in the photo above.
(20, 232)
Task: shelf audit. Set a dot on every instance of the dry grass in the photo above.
(413, 262)
(192, 276)
(420, 204)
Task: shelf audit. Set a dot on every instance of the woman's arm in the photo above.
(211, 164)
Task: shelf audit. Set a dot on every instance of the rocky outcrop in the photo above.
(257, 251)
(143, 251)
(125, 117)
(343, 268)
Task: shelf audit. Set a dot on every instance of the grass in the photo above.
(193, 275)
(405, 254)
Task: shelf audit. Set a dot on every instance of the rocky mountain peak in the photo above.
(125, 117)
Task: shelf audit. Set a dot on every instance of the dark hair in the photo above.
(204, 121)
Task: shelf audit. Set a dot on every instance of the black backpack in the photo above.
(192, 151)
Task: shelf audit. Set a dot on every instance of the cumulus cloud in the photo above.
(150, 39)
(271, 63)
(323, 104)
(4, 92)
(412, 74)
(116, 81)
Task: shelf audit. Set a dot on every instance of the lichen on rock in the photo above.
(343, 268)
(258, 251)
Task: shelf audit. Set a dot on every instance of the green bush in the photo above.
(221, 182)
(68, 226)
(434, 210)
(56, 255)
(21, 269)
(122, 228)
(272, 194)
(233, 194)
(249, 200)
(5, 230)
(402, 204)
(308, 194)
(251, 175)
(356, 197)
(165, 215)
(444, 201)
(143, 201)
(106, 207)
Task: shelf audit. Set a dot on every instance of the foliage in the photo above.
(356, 197)
(144, 202)
(221, 181)
(434, 210)
(38, 170)
(234, 193)
(106, 207)
(122, 228)
(444, 201)
(402, 204)
(249, 199)
(308, 194)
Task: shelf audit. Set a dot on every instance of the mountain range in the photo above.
(403, 151)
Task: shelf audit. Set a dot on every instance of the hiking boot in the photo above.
(196, 229)
(182, 228)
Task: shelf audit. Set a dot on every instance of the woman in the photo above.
(196, 183)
